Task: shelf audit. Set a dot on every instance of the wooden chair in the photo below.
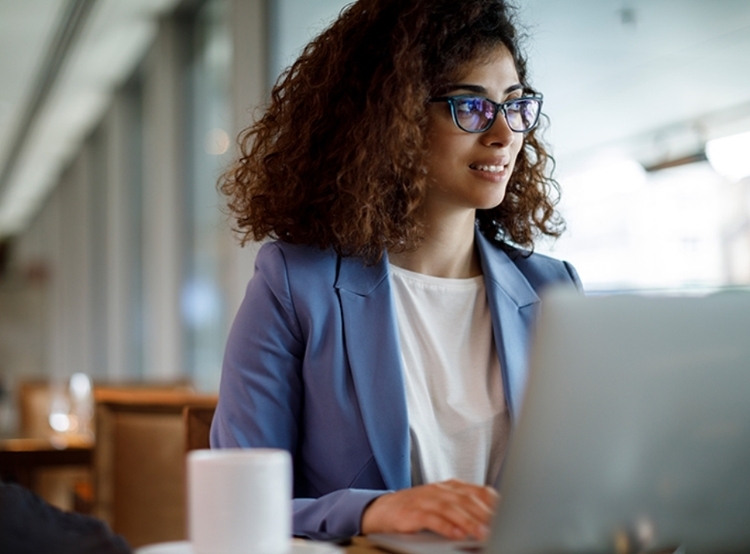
(65, 485)
(139, 462)
(197, 421)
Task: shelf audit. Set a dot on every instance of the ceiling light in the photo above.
(730, 156)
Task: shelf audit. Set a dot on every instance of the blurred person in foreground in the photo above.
(383, 338)
(30, 525)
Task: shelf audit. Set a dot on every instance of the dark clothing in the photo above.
(29, 525)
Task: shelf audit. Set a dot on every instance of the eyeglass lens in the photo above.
(475, 114)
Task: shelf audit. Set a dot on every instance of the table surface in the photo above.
(21, 457)
(55, 451)
(19, 444)
(360, 545)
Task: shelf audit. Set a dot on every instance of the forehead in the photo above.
(495, 66)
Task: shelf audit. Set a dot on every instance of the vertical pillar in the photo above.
(163, 207)
(121, 254)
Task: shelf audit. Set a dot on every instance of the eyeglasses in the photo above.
(476, 114)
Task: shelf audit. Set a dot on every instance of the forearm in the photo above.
(332, 516)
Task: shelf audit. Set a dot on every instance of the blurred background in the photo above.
(117, 116)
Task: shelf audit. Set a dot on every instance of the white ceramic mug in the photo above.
(239, 501)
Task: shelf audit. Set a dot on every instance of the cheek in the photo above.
(442, 138)
(517, 150)
(445, 140)
(446, 150)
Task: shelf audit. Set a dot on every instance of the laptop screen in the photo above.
(635, 429)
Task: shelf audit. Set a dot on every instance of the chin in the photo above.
(493, 202)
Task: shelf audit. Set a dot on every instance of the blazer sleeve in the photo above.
(261, 394)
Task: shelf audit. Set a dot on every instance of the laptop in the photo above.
(634, 434)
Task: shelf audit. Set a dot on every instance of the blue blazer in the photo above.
(313, 366)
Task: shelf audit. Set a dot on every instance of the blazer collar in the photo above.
(354, 276)
(513, 304)
(361, 279)
(503, 273)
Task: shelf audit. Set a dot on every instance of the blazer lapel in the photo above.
(513, 304)
(371, 342)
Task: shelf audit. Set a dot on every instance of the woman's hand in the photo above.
(454, 509)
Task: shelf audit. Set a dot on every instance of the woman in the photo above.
(383, 337)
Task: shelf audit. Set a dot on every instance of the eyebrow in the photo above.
(478, 88)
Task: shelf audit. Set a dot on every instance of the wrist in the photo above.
(370, 522)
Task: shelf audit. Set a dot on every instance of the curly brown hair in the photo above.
(338, 157)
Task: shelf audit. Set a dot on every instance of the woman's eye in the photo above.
(477, 108)
(469, 105)
(514, 105)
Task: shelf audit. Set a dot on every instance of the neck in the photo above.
(448, 249)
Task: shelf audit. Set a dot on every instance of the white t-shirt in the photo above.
(458, 420)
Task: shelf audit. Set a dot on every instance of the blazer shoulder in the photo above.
(296, 254)
(296, 261)
(542, 271)
(305, 276)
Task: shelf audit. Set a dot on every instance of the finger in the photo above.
(470, 520)
(462, 511)
(476, 500)
(488, 497)
(438, 523)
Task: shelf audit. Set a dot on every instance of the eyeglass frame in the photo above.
(498, 107)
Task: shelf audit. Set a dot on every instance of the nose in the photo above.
(499, 134)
